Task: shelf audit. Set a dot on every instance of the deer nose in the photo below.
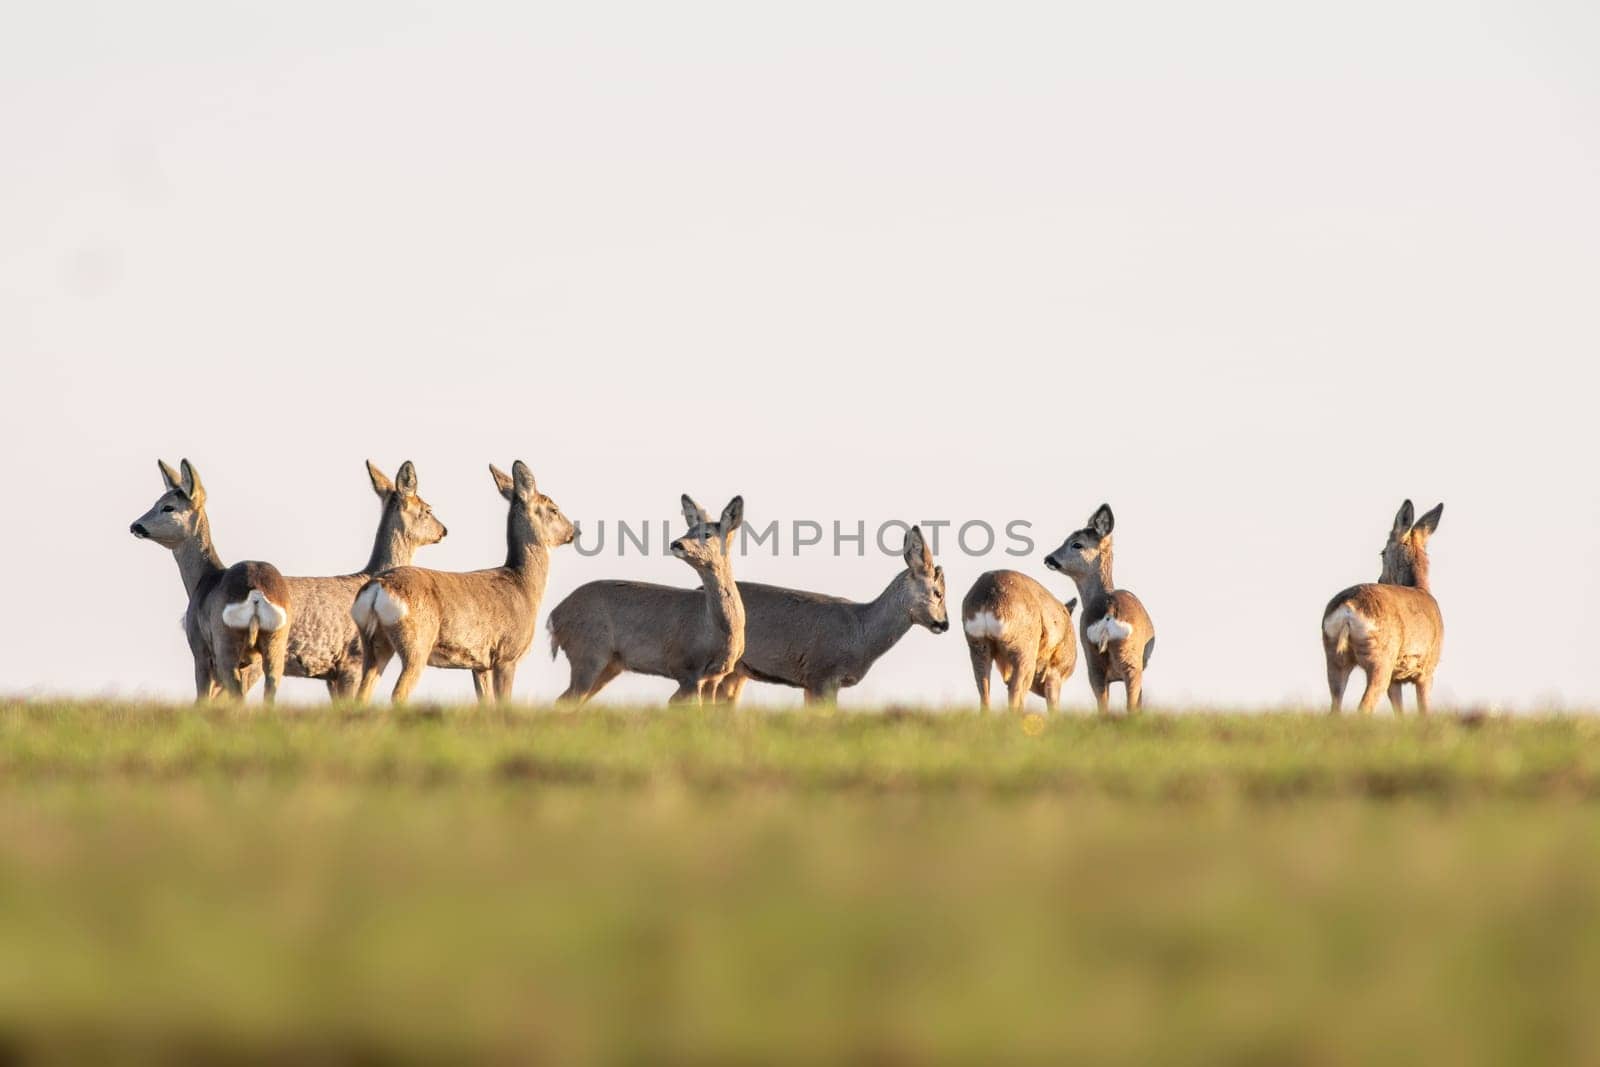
(444, 531)
(138, 530)
(941, 626)
(1051, 564)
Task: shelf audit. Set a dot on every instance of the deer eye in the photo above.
(1078, 545)
(168, 507)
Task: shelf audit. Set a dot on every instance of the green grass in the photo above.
(692, 885)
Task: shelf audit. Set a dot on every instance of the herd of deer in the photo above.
(248, 620)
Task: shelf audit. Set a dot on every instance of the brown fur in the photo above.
(822, 643)
(226, 659)
(1392, 628)
(695, 639)
(482, 621)
(1086, 557)
(1030, 638)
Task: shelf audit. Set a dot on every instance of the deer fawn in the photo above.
(1118, 636)
(1014, 622)
(482, 621)
(609, 627)
(824, 643)
(1392, 628)
(238, 617)
(323, 640)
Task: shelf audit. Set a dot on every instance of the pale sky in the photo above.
(1251, 272)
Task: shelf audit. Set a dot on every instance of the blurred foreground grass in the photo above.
(693, 885)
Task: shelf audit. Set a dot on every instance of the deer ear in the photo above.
(522, 476)
(732, 516)
(1430, 522)
(1102, 521)
(405, 479)
(192, 488)
(1404, 518)
(693, 513)
(169, 476)
(380, 481)
(917, 555)
(1072, 605)
(502, 481)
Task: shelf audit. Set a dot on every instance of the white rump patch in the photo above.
(1344, 621)
(389, 608)
(983, 624)
(361, 610)
(1107, 630)
(267, 615)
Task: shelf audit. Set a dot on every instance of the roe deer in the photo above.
(1016, 623)
(323, 640)
(824, 643)
(238, 617)
(1392, 628)
(609, 627)
(1117, 633)
(482, 621)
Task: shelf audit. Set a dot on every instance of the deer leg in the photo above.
(505, 676)
(1338, 678)
(483, 685)
(1052, 690)
(413, 658)
(1397, 697)
(688, 689)
(1134, 684)
(1021, 680)
(205, 683)
(732, 686)
(376, 651)
(982, 667)
(1424, 693)
(1377, 681)
(274, 650)
(1099, 685)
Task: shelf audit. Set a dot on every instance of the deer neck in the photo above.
(886, 619)
(391, 548)
(197, 557)
(526, 556)
(1098, 582)
(1409, 570)
(724, 608)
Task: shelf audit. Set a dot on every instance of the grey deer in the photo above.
(238, 618)
(1118, 636)
(323, 640)
(824, 643)
(1392, 628)
(1013, 622)
(695, 639)
(482, 621)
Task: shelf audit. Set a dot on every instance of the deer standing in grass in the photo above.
(824, 643)
(1392, 628)
(1015, 623)
(609, 627)
(323, 640)
(1118, 636)
(238, 618)
(482, 621)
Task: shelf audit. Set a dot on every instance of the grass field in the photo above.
(898, 887)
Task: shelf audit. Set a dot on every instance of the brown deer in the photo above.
(482, 621)
(1118, 636)
(238, 619)
(1391, 628)
(323, 640)
(609, 627)
(1013, 622)
(824, 643)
